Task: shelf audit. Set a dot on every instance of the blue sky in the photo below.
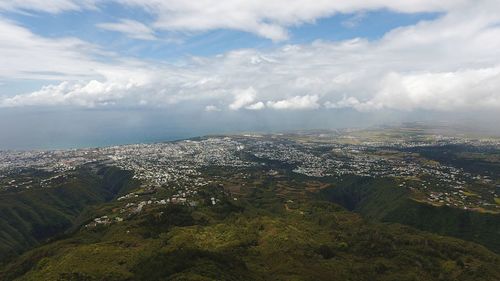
(242, 60)
(175, 45)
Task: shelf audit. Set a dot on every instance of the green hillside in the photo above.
(381, 200)
(277, 229)
(28, 218)
(314, 241)
(260, 236)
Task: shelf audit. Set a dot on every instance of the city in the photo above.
(177, 167)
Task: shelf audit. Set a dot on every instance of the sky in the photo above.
(79, 73)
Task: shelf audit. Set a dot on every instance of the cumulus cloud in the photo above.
(243, 98)
(346, 102)
(131, 28)
(473, 88)
(256, 106)
(91, 94)
(461, 90)
(450, 63)
(298, 102)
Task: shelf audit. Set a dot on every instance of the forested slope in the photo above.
(28, 218)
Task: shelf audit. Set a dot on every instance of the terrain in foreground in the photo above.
(387, 204)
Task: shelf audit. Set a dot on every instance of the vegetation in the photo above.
(255, 238)
(30, 217)
(248, 224)
(382, 200)
(480, 161)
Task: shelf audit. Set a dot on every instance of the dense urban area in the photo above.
(177, 167)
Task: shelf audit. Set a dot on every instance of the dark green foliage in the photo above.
(30, 217)
(325, 251)
(74, 276)
(172, 265)
(382, 200)
(165, 218)
(454, 155)
(483, 228)
(318, 241)
(261, 236)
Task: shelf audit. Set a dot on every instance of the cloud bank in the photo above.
(451, 63)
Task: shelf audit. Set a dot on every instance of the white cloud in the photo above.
(463, 89)
(24, 55)
(266, 18)
(131, 28)
(91, 94)
(269, 18)
(298, 102)
(346, 102)
(49, 6)
(448, 64)
(256, 106)
(243, 98)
